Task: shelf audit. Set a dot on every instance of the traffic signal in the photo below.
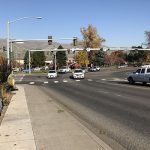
(4, 49)
(50, 40)
(74, 41)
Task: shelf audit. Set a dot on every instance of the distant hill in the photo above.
(20, 49)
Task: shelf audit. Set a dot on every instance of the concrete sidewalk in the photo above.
(67, 133)
(16, 130)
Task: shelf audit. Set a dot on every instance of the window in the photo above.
(148, 70)
(138, 71)
(143, 71)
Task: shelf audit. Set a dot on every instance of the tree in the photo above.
(38, 59)
(99, 58)
(147, 33)
(26, 59)
(148, 57)
(117, 58)
(91, 39)
(136, 56)
(4, 69)
(61, 57)
(82, 58)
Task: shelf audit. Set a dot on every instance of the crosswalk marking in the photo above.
(32, 83)
(89, 79)
(103, 79)
(65, 81)
(46, 82)
(77, 80)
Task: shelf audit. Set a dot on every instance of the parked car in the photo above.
(85, 69)
(16, 69)
(78, 74)
(27, 70)
(97, 68)
(122, 66)
(64, 69)
(93, 69)
(140, 75)
(52, 74)
(37, 69)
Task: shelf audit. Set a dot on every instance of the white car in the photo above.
(37, 69)
(52, 74)
(64, 69)
(78, 74)
(97, 68)
(93, 69)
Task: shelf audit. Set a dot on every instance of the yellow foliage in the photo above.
(91, 37)
(82, 58)
(11, 80)
(148, 57)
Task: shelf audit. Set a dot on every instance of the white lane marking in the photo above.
(77, 80)
(20, 78)
(65, 80)
(119, 95)
(117, 79)
(32, 83)
(106, 92)
(103, 92)
(46, 82)
(89, 79)
(122, 85)
(56, 81)
(103, 79)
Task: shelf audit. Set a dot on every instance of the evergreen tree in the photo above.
(61, 57)
(136, 56)
(26, 58)
(99, 58)
(38, 59)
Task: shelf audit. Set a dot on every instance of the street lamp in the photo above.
(8, 33)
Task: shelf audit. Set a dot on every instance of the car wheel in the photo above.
(131, 81)
(144, 83)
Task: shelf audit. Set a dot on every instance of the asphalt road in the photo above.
(117, 112)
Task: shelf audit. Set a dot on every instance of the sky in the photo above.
(119, 22)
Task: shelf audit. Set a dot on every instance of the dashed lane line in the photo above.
(65, 81)
(77, 80)
(89, 80)
(32, 83)
(46, 82)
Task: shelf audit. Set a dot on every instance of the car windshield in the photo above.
(63, 67)
(77, 71)
(83, 68)
(52, 71)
